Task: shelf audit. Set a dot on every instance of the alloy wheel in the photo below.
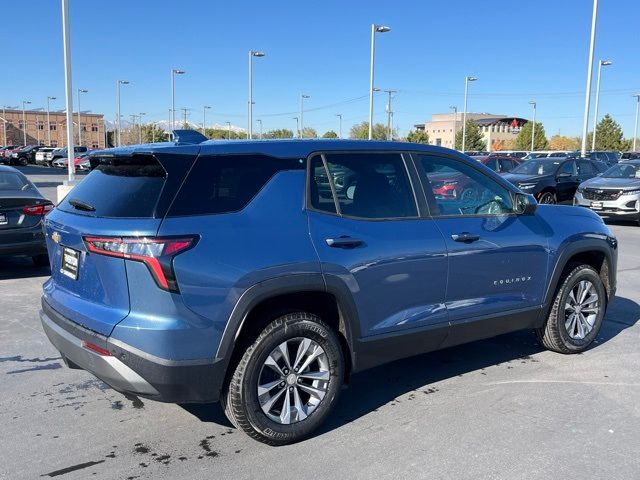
(581, 309)
(293, 380)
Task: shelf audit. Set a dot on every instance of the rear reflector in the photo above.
(38, 210)
(96, 349)
(156, 253)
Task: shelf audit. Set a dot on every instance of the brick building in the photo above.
(92, 125)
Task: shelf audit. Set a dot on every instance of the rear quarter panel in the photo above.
(269, 238)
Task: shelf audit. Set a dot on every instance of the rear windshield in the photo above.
(227, 183)
(121, 187)
(10, 181)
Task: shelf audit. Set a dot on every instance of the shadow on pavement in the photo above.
(380, 386)
(21, 267)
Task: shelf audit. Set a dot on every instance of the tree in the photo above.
(151, 133)
(222, 134)
(279, 133)
(330, 134)
(361, 131)
(560, 142)
(417, 136)
(473, 140)
(523, 140)
(308, 132)
(609, 136)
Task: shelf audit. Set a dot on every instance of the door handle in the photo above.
(344, 242)
(465, 237)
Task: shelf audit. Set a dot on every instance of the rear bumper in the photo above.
(129, 370)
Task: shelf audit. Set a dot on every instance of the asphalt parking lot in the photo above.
(502, 408)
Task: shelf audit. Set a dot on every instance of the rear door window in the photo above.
(227, 183)
(362, 185)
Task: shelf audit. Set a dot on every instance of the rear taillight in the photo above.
(38, 210)
(156, 253)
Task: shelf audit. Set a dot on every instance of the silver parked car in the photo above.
(615, 193)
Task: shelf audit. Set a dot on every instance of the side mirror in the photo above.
(525, 204)
(563, 175)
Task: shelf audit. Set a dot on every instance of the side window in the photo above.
(459, 189)
(492, 163)
(366, 185)
(585, 168)
(226, 183)
(505, 165)
(568, 167)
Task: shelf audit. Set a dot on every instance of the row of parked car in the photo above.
(44, 156)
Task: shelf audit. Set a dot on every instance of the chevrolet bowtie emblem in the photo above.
(55, 236)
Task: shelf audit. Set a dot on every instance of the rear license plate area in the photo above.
(70, 262)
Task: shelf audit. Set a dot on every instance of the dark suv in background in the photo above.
(553, 180)
(226, 270)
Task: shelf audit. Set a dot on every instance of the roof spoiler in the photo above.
(190, 137)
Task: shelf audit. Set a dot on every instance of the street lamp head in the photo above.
(453, 107)
(533, 103)
(472, 79)
(302, 95)
(123, 82)
(604, 63)
(381, 28)
(207, 107)
(255, 53)
(82, 90)
(178, 72)
(51, 98)
(376, 89)
(339, 115)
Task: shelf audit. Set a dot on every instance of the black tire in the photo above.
(41, 260)
(23, 161)
(240, 399)
(547, 198)
(554, 335)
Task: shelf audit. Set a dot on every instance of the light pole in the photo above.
(297, 126)
(184, 115)
(80, 90)
(118, 83)
(4, 123)
(24, 120)
(174, 72)
(49, 121)
(601, 63)
(252, 53)
(635, 128)
(204, 118)
(260, 122)
(339, 115)
(140, 115)
(455, 125)
(587, 96)
(464, 114)
(302, 97)
(228, 130)
(133, 122)
(389, 114)
(374, 29)
(533, 127)
(68, 88)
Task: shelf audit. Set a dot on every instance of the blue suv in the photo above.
(264, 274)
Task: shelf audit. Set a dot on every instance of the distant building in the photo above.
(92, 125)
(496, 129)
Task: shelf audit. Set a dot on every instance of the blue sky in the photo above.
(521, 50)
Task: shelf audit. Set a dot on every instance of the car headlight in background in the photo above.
(526, 186)
(580, 190)
(630, 192)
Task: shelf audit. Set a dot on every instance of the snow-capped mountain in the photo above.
(166, 125)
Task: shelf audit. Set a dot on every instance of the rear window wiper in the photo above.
(80, 205)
